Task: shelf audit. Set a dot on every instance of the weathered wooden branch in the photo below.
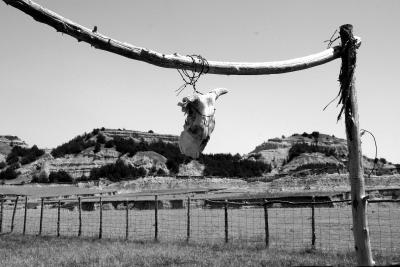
(356, 171)
(176, 61)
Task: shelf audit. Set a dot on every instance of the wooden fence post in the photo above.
(101, 219)
(25, 211)
(13, 215)
(356, 171)
(266, 223)
(41, 216)
(80, 216)
(313, 223)
(126, 220)
(156, 218)
(226, 220)
(1, 215)
(188, 220)
(58, 217)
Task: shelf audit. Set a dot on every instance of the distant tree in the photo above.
(397, 167)
(35, 179)
(11, 137)
(173, 166)
(153, 170)
(141, 172)
(24, 155)
(14, 166)
(117, 171)
(83, 178)
(97, 148)
(60, 177)
(150, 131)
(12, 158)
(41, 178)
(109, 144)
(300, 148)
(2, 165)
(8, 174)
(161, 172)
(101, 139)
(95, 131)
(226, 165)
(315, 135)
(383, 160)
(74, 146)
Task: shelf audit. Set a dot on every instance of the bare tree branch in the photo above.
(176, 61)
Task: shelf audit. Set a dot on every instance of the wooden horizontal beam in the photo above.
(176, 61)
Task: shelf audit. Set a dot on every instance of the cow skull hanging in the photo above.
(200, 121)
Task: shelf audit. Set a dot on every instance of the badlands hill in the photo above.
(7, 142)
(118, 155)
(124, 154)
(314, 153)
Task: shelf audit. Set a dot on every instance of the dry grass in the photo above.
(18, 251)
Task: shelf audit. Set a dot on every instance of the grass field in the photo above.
(17, 250)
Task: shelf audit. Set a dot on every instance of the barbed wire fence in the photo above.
(324, 225)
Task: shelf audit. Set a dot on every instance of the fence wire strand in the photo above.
(289, 223)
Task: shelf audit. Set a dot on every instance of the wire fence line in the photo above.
(325, 225)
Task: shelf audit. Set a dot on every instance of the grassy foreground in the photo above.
(16, 250)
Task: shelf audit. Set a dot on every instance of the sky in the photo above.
(53, 88)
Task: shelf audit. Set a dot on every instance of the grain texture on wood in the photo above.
(175, 61)
(356, 171)
(25, 211)
(79, 216)
(13, 214)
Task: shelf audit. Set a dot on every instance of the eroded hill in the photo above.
(314, 153)
(118, 155)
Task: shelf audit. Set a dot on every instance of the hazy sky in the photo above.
(53, 88)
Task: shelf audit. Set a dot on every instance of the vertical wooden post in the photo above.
(156, 218)
(313, 223)
(58, 217)
(13, 215)
(266, 223)
(25, 211)
(188, 220)
(41, 216)
(1, 215)
(126, 220)
(79, 216)
(101, 219)
(226, 220)
(356, 171)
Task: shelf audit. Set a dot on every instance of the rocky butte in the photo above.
(133, 154)
(304, 154)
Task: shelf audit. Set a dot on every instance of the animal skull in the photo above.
(200, 121)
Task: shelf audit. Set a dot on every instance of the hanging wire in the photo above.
(330, 42)
(363, 131)
(332, 39)
(190, 77)
(345, 79)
